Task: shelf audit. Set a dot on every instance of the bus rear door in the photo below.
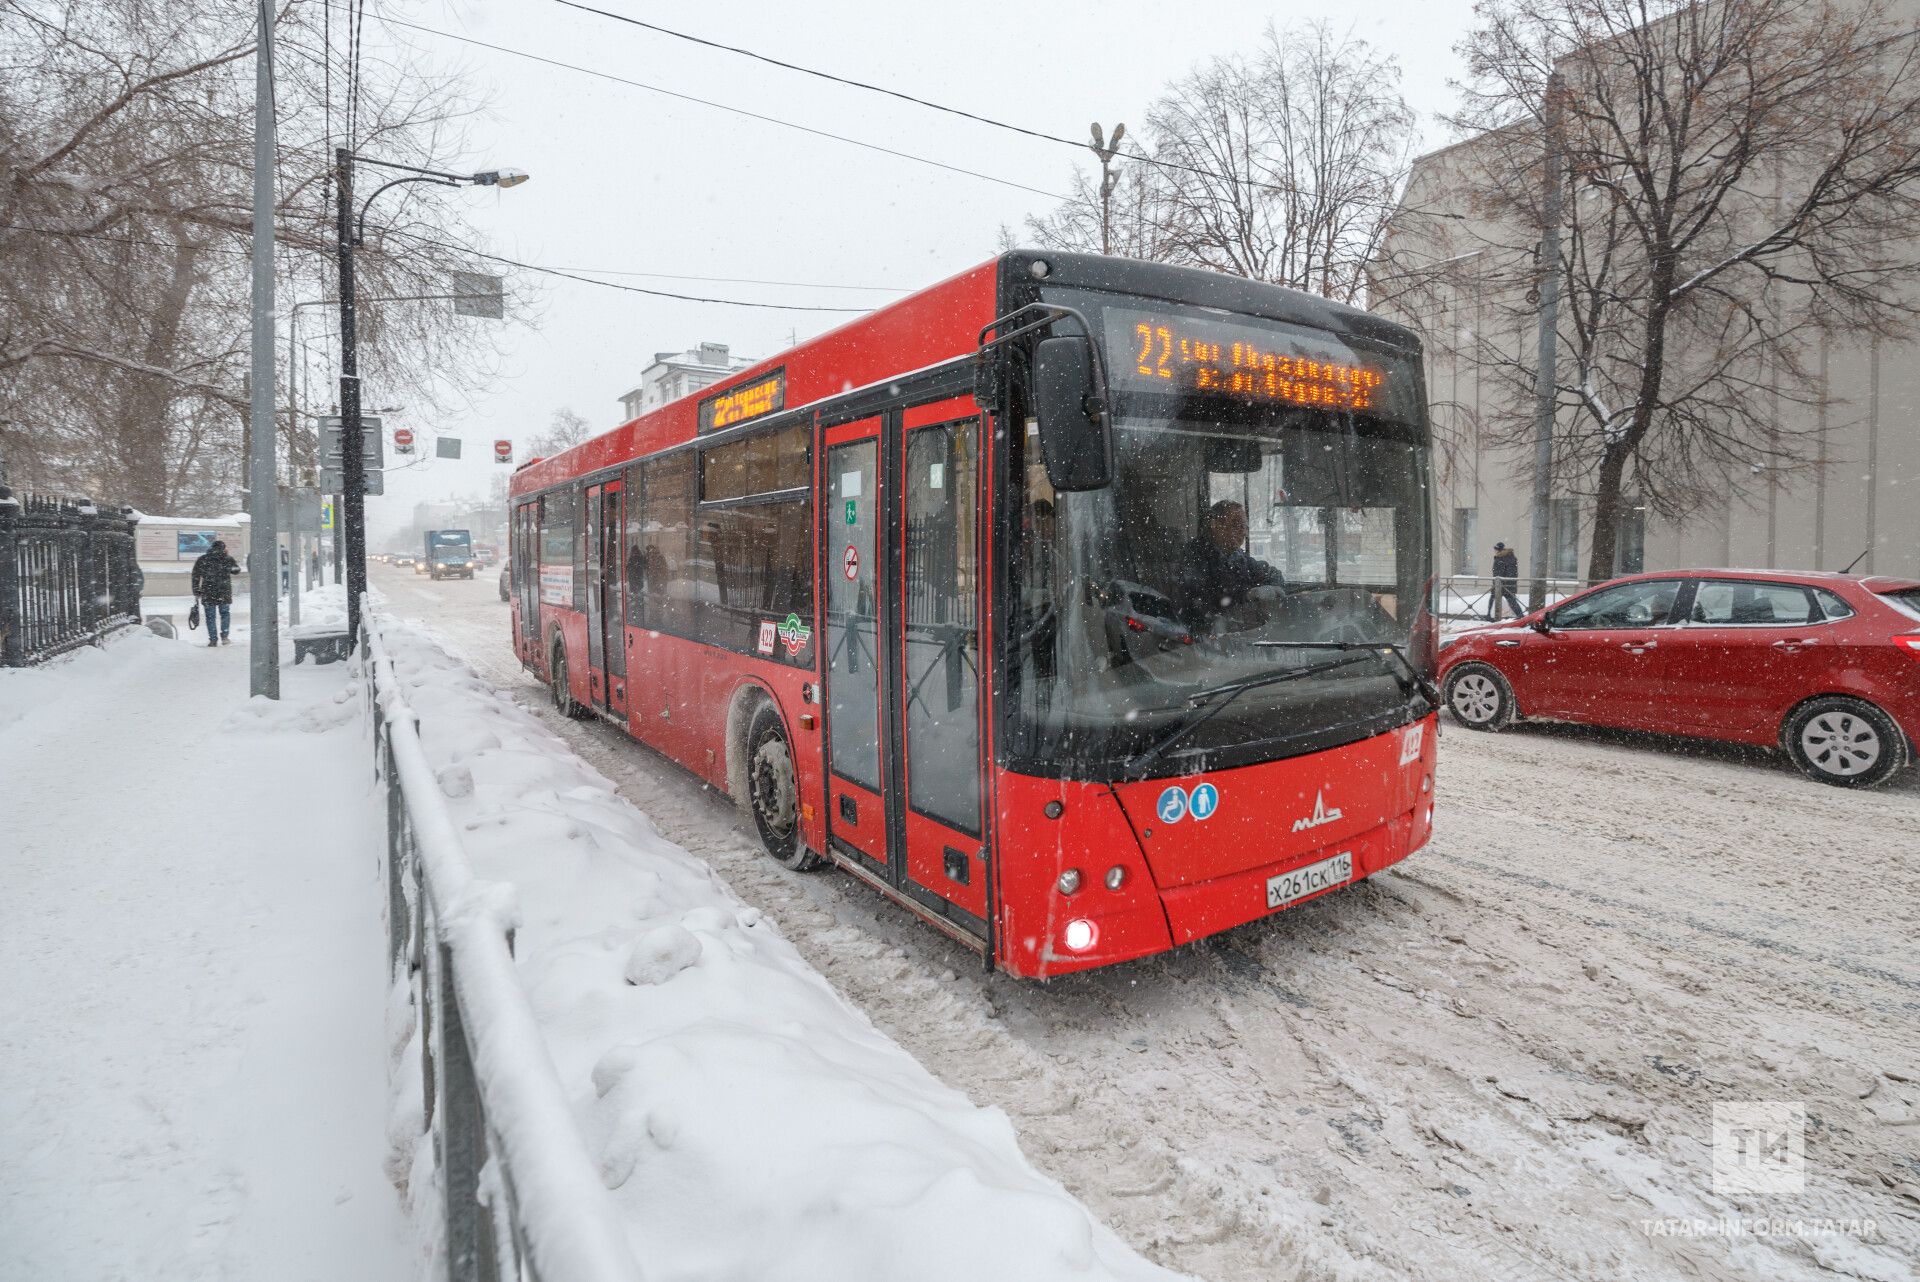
(901, 663)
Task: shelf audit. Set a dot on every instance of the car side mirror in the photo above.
(1540, 624)
(1075, 443)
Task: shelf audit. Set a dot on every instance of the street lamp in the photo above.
(352, 456)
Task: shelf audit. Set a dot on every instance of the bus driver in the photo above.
(1218, 573)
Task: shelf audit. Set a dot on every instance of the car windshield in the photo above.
(1237, 542)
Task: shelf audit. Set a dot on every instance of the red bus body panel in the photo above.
(1190, 879)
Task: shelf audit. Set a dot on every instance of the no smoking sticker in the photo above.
(851, 561)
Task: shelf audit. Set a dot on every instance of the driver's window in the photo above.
(1627, 605)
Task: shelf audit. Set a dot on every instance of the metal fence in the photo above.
(1478, 596)
(521, 1198)
(68, 575)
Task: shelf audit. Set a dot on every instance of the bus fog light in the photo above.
(1116, 877)
(1079, 934)
(1069, 881)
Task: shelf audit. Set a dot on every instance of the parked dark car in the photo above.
(1823, 667)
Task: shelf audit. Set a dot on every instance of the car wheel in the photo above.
(1845, 742)
(563, 700)
(773, 792)
(1479, 697)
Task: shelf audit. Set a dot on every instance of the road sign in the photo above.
(402, 441)
(503, 451)
(333, 482)
(373, 450)
(447, 447)
(326, 516)
(478, 294)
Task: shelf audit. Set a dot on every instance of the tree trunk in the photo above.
(142, 425)
(1606, 512)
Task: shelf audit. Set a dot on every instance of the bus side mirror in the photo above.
(1075, 444)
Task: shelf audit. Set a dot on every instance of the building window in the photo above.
(1466, 538)
(1630, 538)
(1563, 560)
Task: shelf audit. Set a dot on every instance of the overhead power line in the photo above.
(823, 75)
(721, 106)
(610, 284)
(1077, 145)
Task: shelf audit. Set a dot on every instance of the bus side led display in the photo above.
(1183, 356)
(753, 400)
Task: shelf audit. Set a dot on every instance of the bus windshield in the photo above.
(1244, 540)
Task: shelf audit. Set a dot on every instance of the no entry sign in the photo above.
(503, 451)
(402, 440)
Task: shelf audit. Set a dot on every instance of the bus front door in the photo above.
(901, 660)
(606, 600)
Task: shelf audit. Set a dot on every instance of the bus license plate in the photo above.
(1301, 882)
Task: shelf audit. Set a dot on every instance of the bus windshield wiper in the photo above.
(1215, 698)
(1416, 682)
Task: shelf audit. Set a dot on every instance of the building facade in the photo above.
(676, 374)
(1462, 279)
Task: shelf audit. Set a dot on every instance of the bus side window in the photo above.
(632, 554)
(666, 533)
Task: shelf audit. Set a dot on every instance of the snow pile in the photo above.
(42, 686)
(750, 1122)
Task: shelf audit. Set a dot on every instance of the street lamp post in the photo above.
(353, 468)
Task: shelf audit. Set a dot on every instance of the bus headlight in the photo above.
(1069, 881)
(1079, 935)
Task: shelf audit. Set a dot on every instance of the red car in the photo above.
(1825, 667)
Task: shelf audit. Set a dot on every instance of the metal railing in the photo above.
(1475, 596)
(521, 1198)
(68, 575)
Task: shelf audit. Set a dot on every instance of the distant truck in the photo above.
(449, 554)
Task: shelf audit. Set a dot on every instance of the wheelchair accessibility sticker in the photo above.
(1176, 803)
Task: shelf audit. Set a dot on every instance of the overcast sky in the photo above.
(625, 180)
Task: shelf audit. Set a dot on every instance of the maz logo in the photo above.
(1320, 815)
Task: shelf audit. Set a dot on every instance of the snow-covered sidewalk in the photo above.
(192, 1068)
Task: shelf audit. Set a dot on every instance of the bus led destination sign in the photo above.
(765, 395)
(1221, 358)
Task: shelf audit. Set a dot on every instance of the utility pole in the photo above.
(1108, 180)
(353, 465)
(263, 543)
(1546, 379)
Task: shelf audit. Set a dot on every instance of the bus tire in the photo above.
(773, 792)
(1478, 697)
(558, 687)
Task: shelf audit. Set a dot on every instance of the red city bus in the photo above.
(1077, 604)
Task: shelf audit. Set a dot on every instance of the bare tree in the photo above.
(1744, 185)
(566, 429)
(125, 164)
(1282, 167)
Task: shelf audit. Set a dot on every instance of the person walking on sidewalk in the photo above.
(213, 583)
(1506, 576)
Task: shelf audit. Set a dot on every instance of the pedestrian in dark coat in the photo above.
(213, 583)
(1506, 577)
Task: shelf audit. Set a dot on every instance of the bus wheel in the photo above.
(774, 794)
(563, 700)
